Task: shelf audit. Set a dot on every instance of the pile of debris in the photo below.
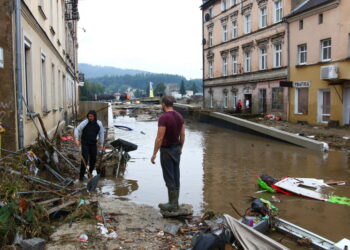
(37, 188)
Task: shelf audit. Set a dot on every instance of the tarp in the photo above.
(249, 238)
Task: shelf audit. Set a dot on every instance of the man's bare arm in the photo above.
(158, 143)
(182, 136)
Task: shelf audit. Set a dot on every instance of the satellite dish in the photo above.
(207, 17)
(204, 41)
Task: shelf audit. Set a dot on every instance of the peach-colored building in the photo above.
(320, 62)
(245, 51)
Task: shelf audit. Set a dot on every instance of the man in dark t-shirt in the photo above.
(170, 139)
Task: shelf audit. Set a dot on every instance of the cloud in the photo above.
(157, 35)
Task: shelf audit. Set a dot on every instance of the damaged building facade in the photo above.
(245, 55)
(39, 73)
(320, 62)
(277, 56)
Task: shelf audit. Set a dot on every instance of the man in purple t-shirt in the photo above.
(170, 139)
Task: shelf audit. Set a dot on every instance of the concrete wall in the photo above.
(242, 125)
(8, 115)
(100, 107)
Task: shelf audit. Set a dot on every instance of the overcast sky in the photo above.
(161, 36)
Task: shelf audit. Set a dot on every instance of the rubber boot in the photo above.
(176, 199)
(172, 205)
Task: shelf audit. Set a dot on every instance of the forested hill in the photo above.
(93, 71)
(117, 83)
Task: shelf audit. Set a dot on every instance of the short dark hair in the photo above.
(168, 101)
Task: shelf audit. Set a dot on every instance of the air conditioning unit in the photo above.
(329, 72)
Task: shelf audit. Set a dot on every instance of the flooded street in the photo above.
(219, 166)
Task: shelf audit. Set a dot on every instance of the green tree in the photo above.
(159, 89)
(182, 88)
(194, 88)
(90, 89)
(138, 93)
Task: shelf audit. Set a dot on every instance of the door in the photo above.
(324, 105)
(262, 101)
(347, 106)
(248, 103)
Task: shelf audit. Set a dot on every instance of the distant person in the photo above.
(86, 135)
(170, 140)
(239, 106)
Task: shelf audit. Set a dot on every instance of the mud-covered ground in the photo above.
(337, 138)
(137, 227)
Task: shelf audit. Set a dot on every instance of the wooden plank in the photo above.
(55, 209)
(49, 201)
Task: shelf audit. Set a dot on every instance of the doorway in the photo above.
(248, 103)
(347, 106)
(262, 101)
(324, 105)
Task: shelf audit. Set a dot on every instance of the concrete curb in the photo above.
(262, 129)
(273, 132)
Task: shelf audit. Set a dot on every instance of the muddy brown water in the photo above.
(219, 166)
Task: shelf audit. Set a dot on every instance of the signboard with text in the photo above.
(302, 84)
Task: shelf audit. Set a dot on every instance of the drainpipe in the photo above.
(203, 58)
(288, 69)
(19, 73)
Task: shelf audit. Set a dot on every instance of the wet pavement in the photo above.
(219, 166)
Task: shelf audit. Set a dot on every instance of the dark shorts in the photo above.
(170, 161)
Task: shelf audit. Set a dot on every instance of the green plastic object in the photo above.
(339, 200)
(270, 206)
(264, 186)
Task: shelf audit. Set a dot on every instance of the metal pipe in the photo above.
(19, 88)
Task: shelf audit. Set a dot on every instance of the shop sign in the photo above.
(302, 84)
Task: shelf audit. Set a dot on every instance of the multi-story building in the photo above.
(320, 62)
(39, 71)
(245, 51)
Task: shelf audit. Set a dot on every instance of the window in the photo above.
(247, 24)
(263, 17)
(302, 54)
(278, 11)
(210, 72)
(211, 100)
(326, 51)
(277, 57)
(210, 11)
(233, 2)
(301, 100)
(225, 99)
(349, 46)
(234, 99)
(211, 40)
(320, 18)
(247, 61)
(28, 77)
(59, 83)
(262, 58)
(53, 87)
(223, 5)
(43, 84)
(234, 29)
(224, 66)
(277, 98)
(301, 24)
(224, 33)
(234, 64)
(64, 90)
